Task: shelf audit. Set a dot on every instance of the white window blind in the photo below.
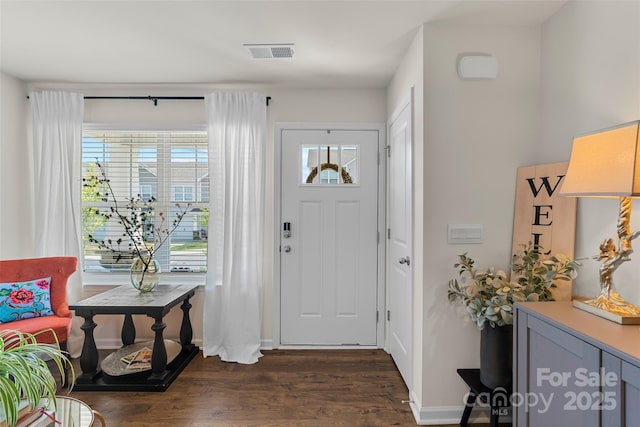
(168, 166)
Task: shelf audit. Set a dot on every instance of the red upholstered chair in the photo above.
(59, 269)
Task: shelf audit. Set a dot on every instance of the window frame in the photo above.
(144, 194)
(122, 278)
(183, 193)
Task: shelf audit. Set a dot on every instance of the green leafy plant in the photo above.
(24, 373)
(91, 192)
(536, 273)
(138, 218)
(489, 296)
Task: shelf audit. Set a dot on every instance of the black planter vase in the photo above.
(496, 356)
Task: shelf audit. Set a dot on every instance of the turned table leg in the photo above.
(128, 334)
(159, 353)
(186, 332)
(89, 355)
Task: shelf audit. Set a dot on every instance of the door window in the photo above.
(338, 164)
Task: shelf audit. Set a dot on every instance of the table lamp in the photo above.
(606, 163)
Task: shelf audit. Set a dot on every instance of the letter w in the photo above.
(545, 183)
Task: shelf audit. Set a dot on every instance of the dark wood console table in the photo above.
(129, 301)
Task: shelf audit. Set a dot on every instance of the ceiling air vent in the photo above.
(270, 51)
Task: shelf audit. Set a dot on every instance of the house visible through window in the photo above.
(329, 176)
(167, 166)
(183, 194)
(146, 191)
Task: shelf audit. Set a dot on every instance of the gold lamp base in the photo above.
(614, 309)
(610, 305)
(606, 163)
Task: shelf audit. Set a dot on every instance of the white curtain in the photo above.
(233, 293)
(57, 138)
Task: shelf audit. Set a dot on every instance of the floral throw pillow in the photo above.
(23, 300)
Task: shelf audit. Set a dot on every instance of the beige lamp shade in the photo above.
(605, 163)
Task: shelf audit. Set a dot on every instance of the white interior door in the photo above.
(328, 270)
(399, 248)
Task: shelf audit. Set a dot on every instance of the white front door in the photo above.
(399, 235)
(328, 271)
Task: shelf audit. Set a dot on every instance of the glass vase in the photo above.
(145, 273)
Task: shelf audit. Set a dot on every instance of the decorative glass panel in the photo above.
(337, 164)
(309, 161)
(330, 155)
(349, 159)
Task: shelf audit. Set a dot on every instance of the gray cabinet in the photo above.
(626, 410)
(572, 368)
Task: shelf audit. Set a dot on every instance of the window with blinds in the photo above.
(168, 167)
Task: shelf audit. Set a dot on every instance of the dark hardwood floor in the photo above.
(286, 388)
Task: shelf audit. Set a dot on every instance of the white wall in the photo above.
(590, 81)
(409, 75)
(287, 105)
(16, 166)
(580, 72)
(476, 135)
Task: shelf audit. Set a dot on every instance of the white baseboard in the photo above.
(113, 343)
(434, 415)
(327, 347)
(108, 343)
(437, 415)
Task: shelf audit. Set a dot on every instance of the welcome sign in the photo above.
(541, 216)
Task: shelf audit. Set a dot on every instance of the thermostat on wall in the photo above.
(477, 67)
(464, 233)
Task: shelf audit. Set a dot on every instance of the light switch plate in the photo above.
(464, 234)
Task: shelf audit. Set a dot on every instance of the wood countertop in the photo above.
(622, 341)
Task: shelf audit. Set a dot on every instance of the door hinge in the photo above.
(378, 157)
(388, 150)
(388, 233)
(377, 316)
(389, 315)
(378, 237)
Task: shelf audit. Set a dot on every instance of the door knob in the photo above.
(286, 248)
(405, 260)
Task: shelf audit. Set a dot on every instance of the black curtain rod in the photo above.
(155, 99)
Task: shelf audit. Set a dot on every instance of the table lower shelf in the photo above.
(139, 381)
(113, 366)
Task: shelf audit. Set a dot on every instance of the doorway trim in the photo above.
(381, 223)
(406, 102)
